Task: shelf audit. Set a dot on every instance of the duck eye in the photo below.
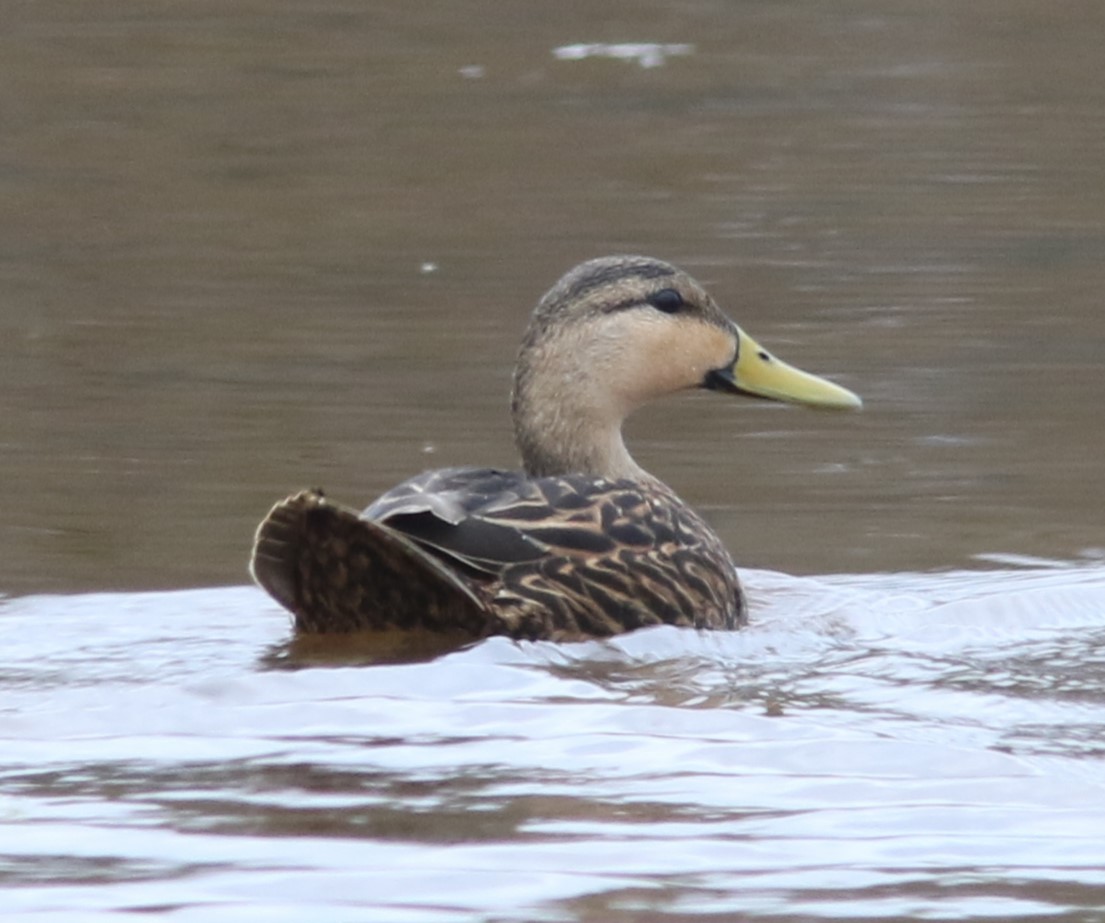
(667, 300)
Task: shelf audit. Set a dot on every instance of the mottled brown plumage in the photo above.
(583, 542)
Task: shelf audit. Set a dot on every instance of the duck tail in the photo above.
(336, 572)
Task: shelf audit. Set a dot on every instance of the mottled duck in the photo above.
(582, 542)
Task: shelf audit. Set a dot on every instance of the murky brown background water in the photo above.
(246, 248)
(215, 220)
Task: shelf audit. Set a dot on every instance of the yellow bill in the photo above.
(760, 374)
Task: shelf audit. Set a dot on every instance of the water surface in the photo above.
(896, 746)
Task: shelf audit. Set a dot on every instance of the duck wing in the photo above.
(467, 516)
(337, 572)
(485, 520)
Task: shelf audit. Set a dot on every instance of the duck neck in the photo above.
(563, 425)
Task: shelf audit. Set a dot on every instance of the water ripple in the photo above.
(872, 745)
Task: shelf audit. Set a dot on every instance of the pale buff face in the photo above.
(641, 354)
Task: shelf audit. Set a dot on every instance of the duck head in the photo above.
(617, 332)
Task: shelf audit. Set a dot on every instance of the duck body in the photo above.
(498, 552)
(582, 542)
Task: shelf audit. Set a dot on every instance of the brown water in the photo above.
(250, 248)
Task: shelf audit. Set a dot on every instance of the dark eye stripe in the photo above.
(621, 305)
